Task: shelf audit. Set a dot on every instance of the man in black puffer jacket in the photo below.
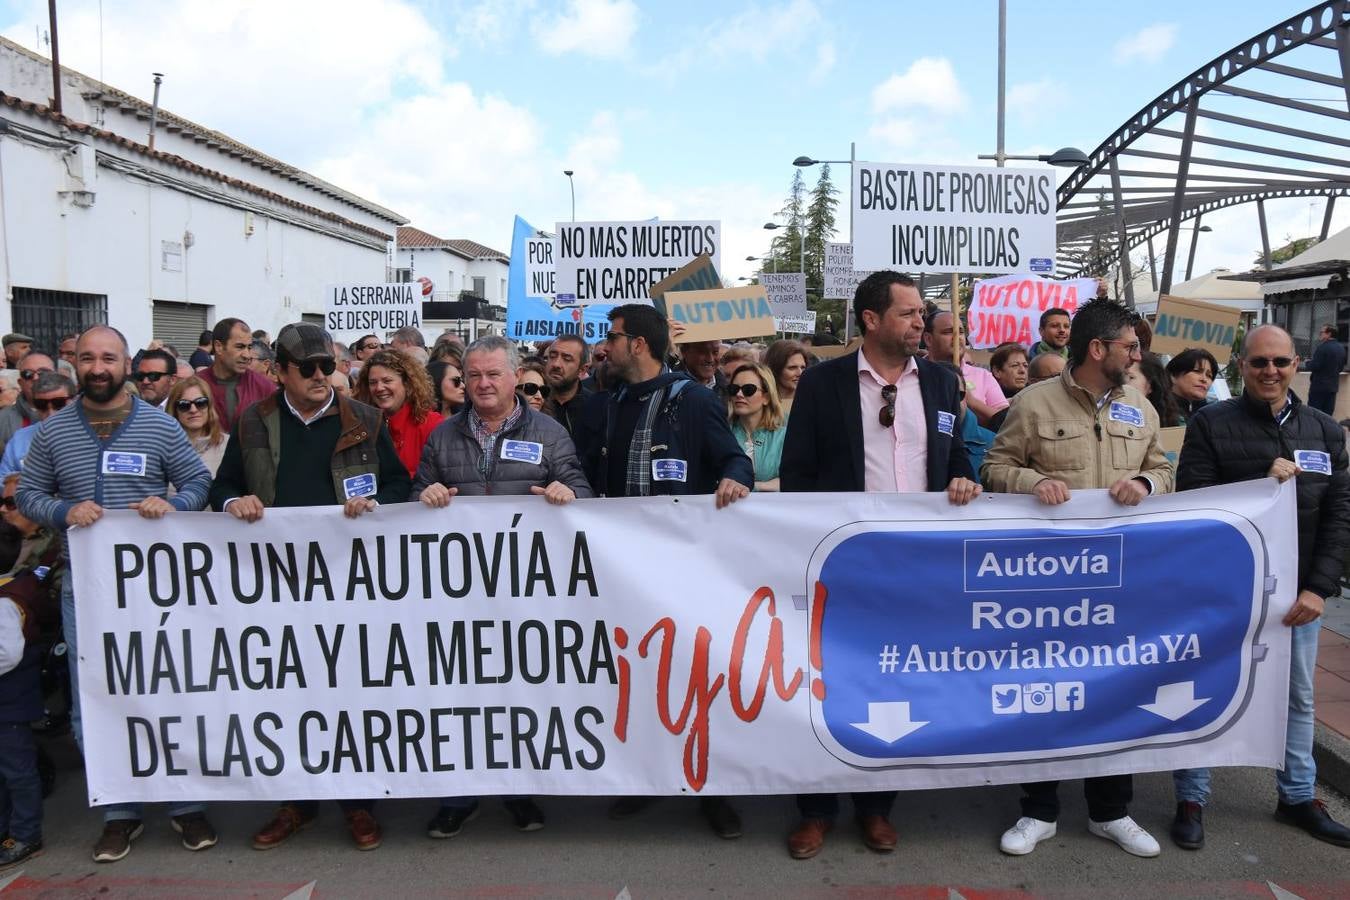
(1269, 432)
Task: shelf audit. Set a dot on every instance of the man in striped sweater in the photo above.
(111, 451)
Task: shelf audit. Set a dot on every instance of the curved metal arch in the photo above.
(1304, 28)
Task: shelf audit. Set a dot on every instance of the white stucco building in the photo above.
(461, 271)
(96, 226)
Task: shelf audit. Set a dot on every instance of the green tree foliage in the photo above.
(820, 221)
(1292, 247)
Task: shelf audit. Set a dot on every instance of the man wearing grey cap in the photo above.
(16, 345)
(307, 445)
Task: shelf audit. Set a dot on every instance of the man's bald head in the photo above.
(1267, 332)
(1044, 367)
(104, 329)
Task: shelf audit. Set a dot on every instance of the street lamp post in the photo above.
(573, 187)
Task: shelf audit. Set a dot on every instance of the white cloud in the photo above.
(929, 83)
(825, 60)
(600, 28)
(1146, 45)
(1034, 101)
(757, 34)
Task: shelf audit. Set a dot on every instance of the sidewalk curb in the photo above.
(1331, 750)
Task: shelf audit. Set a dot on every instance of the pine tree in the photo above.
(820, 221)
(786, 245)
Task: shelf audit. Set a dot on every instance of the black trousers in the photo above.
(826, 806)
(1108, 797)
(1323, 400)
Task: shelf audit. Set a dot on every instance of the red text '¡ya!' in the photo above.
(702, 689)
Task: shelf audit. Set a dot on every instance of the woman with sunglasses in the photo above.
(757, 421)
(533, 387)
(190, 403)
(398, 386)
(447, 383)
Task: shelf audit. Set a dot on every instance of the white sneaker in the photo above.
(1023, 837)
(1126, 833)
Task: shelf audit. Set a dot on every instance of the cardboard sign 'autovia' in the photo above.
(1031, 642)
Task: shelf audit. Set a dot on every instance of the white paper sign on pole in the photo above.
(539, 271)
(355, 309)
(841, 279)
(787, 292)
(618, 262)
(953, 219)
(803, 324)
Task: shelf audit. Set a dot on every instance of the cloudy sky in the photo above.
(461, 114)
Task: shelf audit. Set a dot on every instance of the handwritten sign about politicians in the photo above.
(532, 314)
(786, 291)
(1010, 308)
(841, 279)
(723, 313)
(953, 219)
(371, 308)
(1182, 323)
(618, 262)
(507, 646)
(698, 275)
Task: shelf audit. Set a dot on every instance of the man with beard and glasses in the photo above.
(1085, 429)
(111, 451)
(565, 364)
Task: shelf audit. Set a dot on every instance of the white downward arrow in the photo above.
(1174, 700)
(889, 721)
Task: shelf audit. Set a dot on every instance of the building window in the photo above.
(46, 316)
(480, 287)
(403, 276)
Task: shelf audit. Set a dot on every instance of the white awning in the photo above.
(1311, 283)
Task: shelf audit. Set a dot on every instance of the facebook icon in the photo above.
(1068, 696)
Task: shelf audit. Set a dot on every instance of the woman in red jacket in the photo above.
(398, 385)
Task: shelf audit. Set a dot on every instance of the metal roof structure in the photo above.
(1266, 120)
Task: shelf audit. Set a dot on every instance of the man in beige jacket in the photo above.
(1085, 429)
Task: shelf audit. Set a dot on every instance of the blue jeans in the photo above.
(20, 786)
(1295, 784)
(116, 811)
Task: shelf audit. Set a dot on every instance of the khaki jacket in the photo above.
(1055, 430)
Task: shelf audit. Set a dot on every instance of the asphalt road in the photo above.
(948, 848)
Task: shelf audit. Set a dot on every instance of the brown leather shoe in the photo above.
(808, 837)
(365, 830)
(285, 822)
(877, 833)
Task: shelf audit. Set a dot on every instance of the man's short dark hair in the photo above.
(170, 361)
(584, 353)
(204, 340)
(223, 329)
(47, 382)
(1050, 313)
(874, 293)
(931, 319)
(641, 320)
(1100, 319)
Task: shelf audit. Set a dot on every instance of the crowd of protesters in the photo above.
(247, 423)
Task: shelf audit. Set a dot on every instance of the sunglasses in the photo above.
(309, 367)
(30, 374)
(887, 414)
(529, 389)
(457, 380)
(152, 377)
(185, 405)
(749, 390)
(613, 336)
(8, 503)
(1260, 362)
(54, 403)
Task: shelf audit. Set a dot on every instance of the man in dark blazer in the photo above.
(880, 419)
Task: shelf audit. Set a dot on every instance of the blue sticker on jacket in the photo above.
(1124, 412)
(670, 470)
(359, 486)
(523, 451)
(1313, 461)
(946, 422)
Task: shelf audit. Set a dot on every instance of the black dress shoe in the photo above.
(1188, 828)
(1313, 818)
(722, 818)
(525, 814)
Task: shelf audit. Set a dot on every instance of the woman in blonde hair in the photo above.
(757, 420)
(190, 403)
(398, 385)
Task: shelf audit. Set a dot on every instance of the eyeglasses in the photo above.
(8, 503)
(52, 404)
(1130, 349)
(529, 389)
(1260, 362)
(309, 366)
(457, 381)
(735, 390)
(198, 403)
(152, 377)
(30, 374)
(887, 415)
(613, 336)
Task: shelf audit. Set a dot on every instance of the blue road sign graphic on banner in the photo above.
(981, 640)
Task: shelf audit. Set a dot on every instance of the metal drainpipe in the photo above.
(154, 108)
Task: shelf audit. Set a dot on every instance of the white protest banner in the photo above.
(953, 219)
(786, 292)
(841, 279)
(720, 314)
(506, 646)
(371, 308)
(618, 262)
(539, 272)
(1182, 323)
(805, 324)
(1009, 308)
